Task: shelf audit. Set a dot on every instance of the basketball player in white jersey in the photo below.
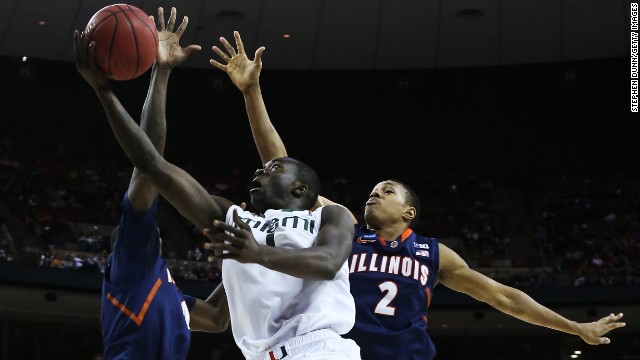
(284, 271)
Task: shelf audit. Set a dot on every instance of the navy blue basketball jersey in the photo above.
(392, 282)
(147, 317)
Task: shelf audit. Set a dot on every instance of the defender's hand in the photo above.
(169, 51)
(592, 332)
(244, 73)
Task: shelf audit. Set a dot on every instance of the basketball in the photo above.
(126, 41)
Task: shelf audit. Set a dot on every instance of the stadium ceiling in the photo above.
(353, 34)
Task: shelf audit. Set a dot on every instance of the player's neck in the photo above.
(390, 232)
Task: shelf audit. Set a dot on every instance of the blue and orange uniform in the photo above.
(144, 315)
(392, 282)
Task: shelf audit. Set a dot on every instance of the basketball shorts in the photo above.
(316, 345)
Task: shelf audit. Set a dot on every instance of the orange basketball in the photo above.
(126, 41)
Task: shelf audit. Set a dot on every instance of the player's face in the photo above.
(272, 185)
(386, 204)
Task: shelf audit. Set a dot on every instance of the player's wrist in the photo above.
(260, 255)
(162, 68)
(579, 329)
(252, 90)
(101, 89)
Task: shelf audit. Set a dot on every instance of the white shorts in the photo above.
(316, 345)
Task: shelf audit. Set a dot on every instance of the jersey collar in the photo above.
(404, 236)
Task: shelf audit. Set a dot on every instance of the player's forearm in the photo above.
(218, 296)
(132, 139)
(154, 124)
(523, 307)
(220, 314)
(208, 318)
(310, 264)
(153, 121)
(267, 139)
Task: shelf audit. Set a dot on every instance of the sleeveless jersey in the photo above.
(392, 282)
(268, 307)
(148, 318)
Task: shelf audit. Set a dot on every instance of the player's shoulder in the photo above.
(130, 212)
(426, 240)
(243, 213)
(364, 232)
(271, 213)
(333, 211)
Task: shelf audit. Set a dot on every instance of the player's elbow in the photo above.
(147, 164)
(220, 325)
(329, 269)
(153, 167)
(327, 273)
(211, 326)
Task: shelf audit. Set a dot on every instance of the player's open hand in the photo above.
(235, 243)
(244, 73)
(85, 60)
(170, 53)
(592, 333)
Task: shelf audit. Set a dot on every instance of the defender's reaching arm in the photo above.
(455, 274)
(245, 75)
(153, 120)
(136, 250)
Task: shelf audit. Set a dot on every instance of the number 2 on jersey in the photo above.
(390, 291)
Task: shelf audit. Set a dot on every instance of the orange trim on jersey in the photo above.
(428, 304)
(140, 316)
(405, 235)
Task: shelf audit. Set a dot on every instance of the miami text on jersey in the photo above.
(269, 226)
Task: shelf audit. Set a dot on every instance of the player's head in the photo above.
(284, 183)
(391, 202)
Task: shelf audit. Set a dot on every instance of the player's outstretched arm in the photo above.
(211, 315)
(178, 187)
(245, 75)
(153, 121)
(320, 262)
(455, 274)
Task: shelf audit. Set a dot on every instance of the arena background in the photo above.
(510, 118)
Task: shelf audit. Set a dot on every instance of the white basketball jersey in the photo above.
(268, 307)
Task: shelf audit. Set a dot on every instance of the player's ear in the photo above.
(299, 189)
(410, 213)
